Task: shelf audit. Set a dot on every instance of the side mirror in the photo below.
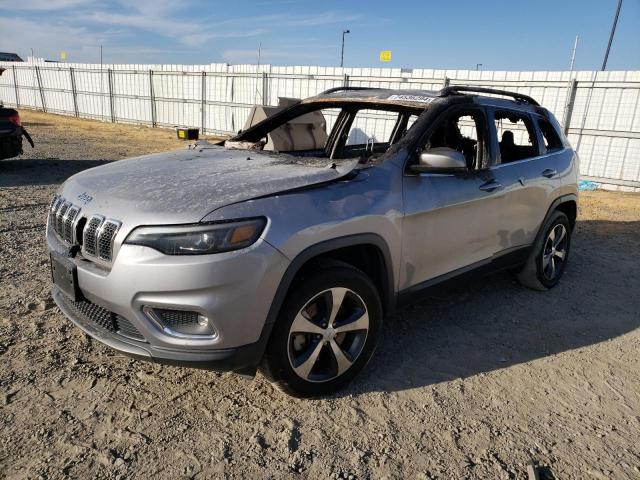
(440, 160)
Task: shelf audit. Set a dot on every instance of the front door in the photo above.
(451, 219)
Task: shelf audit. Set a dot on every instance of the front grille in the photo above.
(103, 318)
(95, 234)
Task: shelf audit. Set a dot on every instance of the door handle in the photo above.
(491, 186)
(549, 172)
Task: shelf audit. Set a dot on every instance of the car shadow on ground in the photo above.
(493, 323)
(22, 172)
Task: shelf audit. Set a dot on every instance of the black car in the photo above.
(11, 132)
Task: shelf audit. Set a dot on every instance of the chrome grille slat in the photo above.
(69, 224)
(55, 204)
(60, 218)
(106, 234)
(90, 234)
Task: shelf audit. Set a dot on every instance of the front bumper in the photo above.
(234, 290)
(228, 359)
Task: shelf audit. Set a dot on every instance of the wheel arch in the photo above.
(345, 249)
(567, 204)
(328, 249)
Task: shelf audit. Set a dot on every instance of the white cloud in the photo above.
(48, 5)
(80, 26)
(81, 44)
(156, 17)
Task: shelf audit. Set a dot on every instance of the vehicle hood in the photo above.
(185, 185)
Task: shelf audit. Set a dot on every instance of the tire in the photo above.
(305, 363)
(536, 274)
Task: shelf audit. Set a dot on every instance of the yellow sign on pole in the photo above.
(385, 56)
(63, 56)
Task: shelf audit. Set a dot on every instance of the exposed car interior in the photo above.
(460, 131)
(336, 132)
(516, 136)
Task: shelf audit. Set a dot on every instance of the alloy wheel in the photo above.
(555, 252)
(328, 334)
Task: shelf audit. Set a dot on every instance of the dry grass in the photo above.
(128, 138)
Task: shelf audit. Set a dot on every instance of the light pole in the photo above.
(344, 32)
(478, 65)
(613, 31)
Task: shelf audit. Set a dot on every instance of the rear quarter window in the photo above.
(551, 136)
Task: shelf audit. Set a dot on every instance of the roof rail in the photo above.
(346, 88)
(460, 88)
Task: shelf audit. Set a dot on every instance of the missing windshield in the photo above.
(332, 132)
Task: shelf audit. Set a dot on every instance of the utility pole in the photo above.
(613, 31)
(344, 32)
(101, 88)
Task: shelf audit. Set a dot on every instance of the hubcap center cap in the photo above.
(329, 334)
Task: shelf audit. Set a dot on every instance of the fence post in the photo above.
(44, 105)
(110, 85)
(152, 98)
(233, 123)
(446, 82)
(265, 88)
(15, 85)
(568, 109)
(204, 100)
(345, 80)
(74, 92)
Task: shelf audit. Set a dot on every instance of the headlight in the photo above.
(199, 239)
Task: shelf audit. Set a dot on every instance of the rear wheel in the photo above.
(326, 333)
(550, 253)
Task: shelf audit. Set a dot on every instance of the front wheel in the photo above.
(549, 256)
(326, 332)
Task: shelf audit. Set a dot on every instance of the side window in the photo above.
(516, 136)
(551, 138)
(374, 126)
(461, 131)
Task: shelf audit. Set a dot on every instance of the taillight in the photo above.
(15, 118)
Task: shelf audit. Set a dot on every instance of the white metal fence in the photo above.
(599, 110)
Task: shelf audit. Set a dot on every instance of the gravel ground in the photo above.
(472, 382)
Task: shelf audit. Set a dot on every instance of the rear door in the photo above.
(525, 171)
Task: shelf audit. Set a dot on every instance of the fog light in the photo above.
(203, 321)
(182, 323)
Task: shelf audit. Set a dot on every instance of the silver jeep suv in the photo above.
(285, 247)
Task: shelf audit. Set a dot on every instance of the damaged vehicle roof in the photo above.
(408, 98)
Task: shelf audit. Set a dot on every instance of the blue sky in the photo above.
(502, 35)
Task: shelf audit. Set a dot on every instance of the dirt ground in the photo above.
(471, 382)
